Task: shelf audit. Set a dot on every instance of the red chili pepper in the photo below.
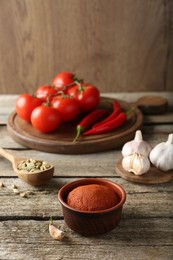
(116, 110)
(108, 126)
(89, 120)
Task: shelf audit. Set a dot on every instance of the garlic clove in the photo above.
(136, 163)
(56, 233)
(137, 145)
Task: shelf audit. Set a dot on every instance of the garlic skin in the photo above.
(161, 155)
(136, 163)
(137, 145)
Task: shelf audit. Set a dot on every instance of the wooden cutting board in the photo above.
(153, 176)
(61, 141)
(152, 105)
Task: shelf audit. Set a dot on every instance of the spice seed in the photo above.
(31, 165)
(14, 186)
(16, 191)
(2, 184)
(23, 194)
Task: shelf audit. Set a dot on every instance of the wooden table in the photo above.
(146, 228)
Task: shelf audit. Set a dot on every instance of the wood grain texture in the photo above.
(73, 165)
(130, 238)
(145, 231)
(116, 45)
(42, 202)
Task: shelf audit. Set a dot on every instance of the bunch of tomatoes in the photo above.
(61, 101)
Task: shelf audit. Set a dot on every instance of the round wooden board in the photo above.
(61, 141)
(153, 176)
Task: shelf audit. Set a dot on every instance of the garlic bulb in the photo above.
(136, 163)
(161, 155)
(138, 145)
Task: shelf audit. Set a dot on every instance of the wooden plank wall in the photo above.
(117, 45)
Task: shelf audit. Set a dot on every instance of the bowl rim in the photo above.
(92, 181)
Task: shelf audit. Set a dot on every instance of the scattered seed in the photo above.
(16, 191)
(14, 186)
(30, 192)
(24, 195)
(1, 184)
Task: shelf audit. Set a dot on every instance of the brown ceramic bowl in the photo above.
(89, 223)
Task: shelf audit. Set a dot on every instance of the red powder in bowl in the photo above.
(92, 197)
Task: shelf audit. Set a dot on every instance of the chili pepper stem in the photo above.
(79, 129)
(88, 121)
(130, 111)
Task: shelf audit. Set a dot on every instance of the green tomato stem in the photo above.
(80, 87)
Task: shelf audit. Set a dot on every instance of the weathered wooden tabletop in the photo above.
(146, 228)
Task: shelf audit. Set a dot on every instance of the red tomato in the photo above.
(67, 107)
(25, 104)
(45, 119)
(88, 96)
(45, 92)
(63, 79)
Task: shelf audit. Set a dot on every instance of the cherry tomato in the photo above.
(87, 95)
(62, 80)
(67, 107)
(45, 119)
(25, 104)
(45, 92)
